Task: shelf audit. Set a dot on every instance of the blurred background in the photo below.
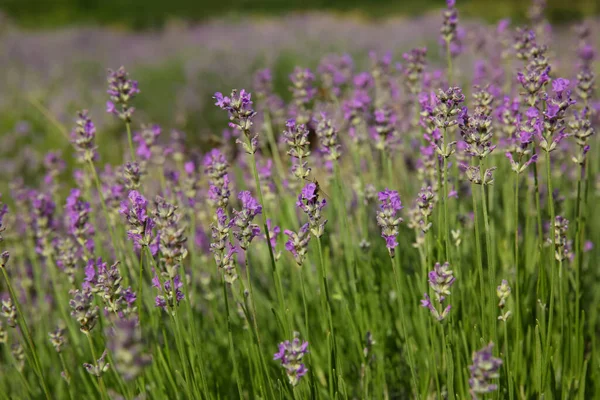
(143, 14)
(54, 55)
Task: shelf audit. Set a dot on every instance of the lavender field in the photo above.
(304, 207)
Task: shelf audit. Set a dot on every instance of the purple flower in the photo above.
(484, 369)
(168, 297)
(296, 137)
(83, 309)
(328, 137)
(297, 243)
(146, 140)
(77, 213)
(239, 108)
(290, 354)
(263, 83)
(387, 218)
(83, 137)
(308, 201)
(441, 278)
(121, 91)
(43, 222)
(242, 220)
(140, 224)
(171, 234)
(302, 90)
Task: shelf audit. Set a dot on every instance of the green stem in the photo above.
(479, 255)
(130, 140)
(25, 329)
(517, 272)
(552, 265)
(396, 267)
(507, 355)
(103, 393)
(488, 246)
(236, 372)
(331, 341)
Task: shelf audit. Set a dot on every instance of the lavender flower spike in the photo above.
(297, 243)
(291, 354)
(441, 278)
(485, 368)
(243, 219)
(308, 201)
(241, 114)
(387, 219)
(121, 90)
(83, 137)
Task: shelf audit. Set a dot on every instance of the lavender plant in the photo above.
(162, 320)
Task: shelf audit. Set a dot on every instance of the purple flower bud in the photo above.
(242, 220)
(297, 243)
(484, 369)
(83, 137)
(121, 91)
(290, 355)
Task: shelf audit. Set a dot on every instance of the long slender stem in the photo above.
(479, 255)
(552, 264)
(276, 277)
(103, 393)
(507, 355)
(25, 329)
(130, 140)
(517, 272)
(395, 261)
(488, 246)
(331, 340)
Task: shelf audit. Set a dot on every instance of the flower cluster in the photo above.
(83, 308)
(242, 220)
(412, 69)
(43, 222)
(99, 368)
(302, 92)
(563, 250)
(170, 294)
(503, 291)
(290, 355)
(83, 138)
(554, 125)
(296, 137)
(297, 243)
(57, 339)
(107, 283)
(148, 149)
(215, 167)
(223, 251)
(387, 218)
(140, 224)
(9, 311)
(309, 202)
(334, 71)
(77, 213)
(171, 234)
(441, 278)
(121, 91)
(328, 137)
(241, 115)
(484, 369)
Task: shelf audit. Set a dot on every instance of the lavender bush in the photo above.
(437, 219)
